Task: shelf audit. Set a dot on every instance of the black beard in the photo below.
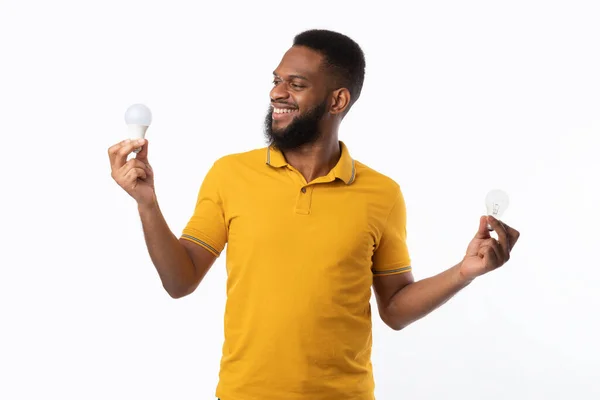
(301, 130)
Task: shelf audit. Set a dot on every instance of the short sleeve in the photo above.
(206, 226)
(391, 254)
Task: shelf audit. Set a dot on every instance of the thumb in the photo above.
(482, 232)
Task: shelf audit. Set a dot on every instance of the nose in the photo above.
(279, 92)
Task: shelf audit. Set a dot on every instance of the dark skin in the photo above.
(300, 81)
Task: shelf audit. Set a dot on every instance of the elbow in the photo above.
(395, 323)
(396, 326)
(180, 288)
(176, 293)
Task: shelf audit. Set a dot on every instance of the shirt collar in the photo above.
(345, 169)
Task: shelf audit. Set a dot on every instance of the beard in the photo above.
(302, 130)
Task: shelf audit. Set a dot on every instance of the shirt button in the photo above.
(303, 190)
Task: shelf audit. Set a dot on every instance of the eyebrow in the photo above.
(292, 76)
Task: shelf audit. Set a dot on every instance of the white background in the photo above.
(460, 97)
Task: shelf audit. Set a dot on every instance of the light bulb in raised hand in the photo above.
(138, 118)
(496, 203)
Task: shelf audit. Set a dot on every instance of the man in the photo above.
(309, 231)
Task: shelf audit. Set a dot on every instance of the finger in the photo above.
(503, 238)
(513, 235)
(498, 251)
(133, 164)
(482, 232)
(132, 176)
(490, 260)
(143, 154)
(123, 152)
(113, 150)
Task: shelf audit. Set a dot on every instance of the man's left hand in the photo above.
(484, 253)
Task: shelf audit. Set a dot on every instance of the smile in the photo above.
(284, 110)
(283, 113)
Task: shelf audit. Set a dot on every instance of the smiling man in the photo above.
(309, 231)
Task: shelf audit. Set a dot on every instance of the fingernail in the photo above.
(140, 141)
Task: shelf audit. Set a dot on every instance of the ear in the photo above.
(340, 100)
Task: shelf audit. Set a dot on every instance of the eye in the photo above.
(296, 86)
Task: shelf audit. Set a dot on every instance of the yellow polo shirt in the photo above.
(300, 262)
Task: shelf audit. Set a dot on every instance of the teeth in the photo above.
(283, 110)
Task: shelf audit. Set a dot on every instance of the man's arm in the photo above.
(401, 301)
(180, 263)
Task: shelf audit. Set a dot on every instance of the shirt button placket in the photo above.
(304, 200)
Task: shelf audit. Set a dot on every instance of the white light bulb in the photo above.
(138, 118)
(496, 203)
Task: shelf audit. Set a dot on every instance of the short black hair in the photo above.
(343, 57)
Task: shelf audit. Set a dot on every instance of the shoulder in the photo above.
(230, 170)
(233, 161)
(381, 183)
(385, 194)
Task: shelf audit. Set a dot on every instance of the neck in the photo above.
(316, 159)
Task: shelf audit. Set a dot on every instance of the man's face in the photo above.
(298, 100)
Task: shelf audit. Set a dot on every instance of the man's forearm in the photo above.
(175, 267)
(418, 299)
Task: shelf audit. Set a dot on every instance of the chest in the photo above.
(319, 224)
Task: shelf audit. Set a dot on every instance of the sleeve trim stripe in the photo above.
(393, 271)
(208, 246)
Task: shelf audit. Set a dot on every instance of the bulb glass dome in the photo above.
(138, 114)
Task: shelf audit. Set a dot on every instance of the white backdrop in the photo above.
(460, 97)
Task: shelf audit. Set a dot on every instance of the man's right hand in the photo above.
(134, 176)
